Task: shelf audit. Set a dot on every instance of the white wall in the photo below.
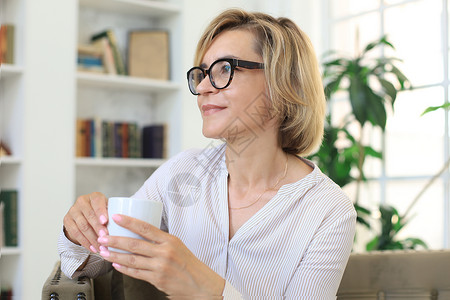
(198, 13)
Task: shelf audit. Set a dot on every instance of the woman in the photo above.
(249, 217)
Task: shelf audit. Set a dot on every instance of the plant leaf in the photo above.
(389, 89)
(433, 108)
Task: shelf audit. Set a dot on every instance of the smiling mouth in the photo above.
(209, 109)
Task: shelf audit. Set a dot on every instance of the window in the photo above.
(416, 147)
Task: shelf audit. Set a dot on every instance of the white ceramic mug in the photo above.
(146, 210)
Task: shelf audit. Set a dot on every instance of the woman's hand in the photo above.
(86, 220)
(162, 260)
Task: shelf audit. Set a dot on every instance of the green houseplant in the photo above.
(371, 85)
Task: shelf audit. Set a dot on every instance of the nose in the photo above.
(205, 86)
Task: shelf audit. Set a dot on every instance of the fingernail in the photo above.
(102, 240)
(117, 218)
(103, 248)
(116, 265)
(103, 219)
(93, 249)
(104, 253)
(101, 233)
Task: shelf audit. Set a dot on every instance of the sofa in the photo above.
(378, 275)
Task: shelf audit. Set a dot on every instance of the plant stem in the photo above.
(360, 164)
(429, 183)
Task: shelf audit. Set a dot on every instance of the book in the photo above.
(90, 59)
(134, 141)
(153, 141)
(6, 294)
(2, 227)
(148, 54)
(7, 44)
(4, 149)
(111, 37)
(9, 198)
(81, 138)
(107, 55)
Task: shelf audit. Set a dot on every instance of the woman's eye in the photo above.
(226, 69)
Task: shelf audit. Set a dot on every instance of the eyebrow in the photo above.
(203, 65)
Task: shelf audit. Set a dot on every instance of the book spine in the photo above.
(133, 140)
(81, 138)
(125, 140)
(98, 137)
(2, 229)
(10, 47)
(105, 139)
(153, 141)
(116, 53)
(3, 44)
(9, 198)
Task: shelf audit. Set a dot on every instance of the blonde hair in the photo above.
(291, 70)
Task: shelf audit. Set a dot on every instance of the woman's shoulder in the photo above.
(210, 157)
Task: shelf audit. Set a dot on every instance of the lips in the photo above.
(210, 109)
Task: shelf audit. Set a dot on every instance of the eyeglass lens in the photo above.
(219, 75)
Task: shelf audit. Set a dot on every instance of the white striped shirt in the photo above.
(295, 247)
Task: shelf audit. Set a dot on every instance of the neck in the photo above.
(258, 166)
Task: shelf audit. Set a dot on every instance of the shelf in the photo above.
(125, 82)
(10, 71)
(158, 9)
(119, 162)
(11, 251)
(10, 160)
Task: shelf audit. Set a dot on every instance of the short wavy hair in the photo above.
(291, 70)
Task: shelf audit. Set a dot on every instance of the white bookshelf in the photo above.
(10, 160)
(119, 98)
(7, 70)
(10, 251)
(118, 82)
(119, 162)
(149, 8)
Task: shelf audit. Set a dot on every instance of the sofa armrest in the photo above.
(60, 287)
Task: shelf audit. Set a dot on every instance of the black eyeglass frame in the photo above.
(234, 63)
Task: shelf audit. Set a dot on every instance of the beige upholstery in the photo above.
(399, 275)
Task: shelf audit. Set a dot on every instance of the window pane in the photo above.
(415, 30)
(426, 216)
(414, 143)
(351, 36)
(340, 8)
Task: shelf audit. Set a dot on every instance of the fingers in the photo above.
(82, 224)
(99, 204)
(141, 228)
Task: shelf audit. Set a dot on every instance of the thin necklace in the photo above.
(267, 189)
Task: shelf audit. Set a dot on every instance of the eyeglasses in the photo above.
(220, 73)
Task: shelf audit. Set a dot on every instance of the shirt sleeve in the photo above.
(320, 271)
(73, 256)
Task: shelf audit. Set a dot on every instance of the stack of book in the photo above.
(7, 44)
(102, 55)
(9, 209)
(100, 138)
(6, 294)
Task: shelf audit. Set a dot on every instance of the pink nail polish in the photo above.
(116, 265)
(104, 253)
(103, 219)
(101, 233)
(102, 240)
(117, 218)
(103, 248)
(93, 249)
